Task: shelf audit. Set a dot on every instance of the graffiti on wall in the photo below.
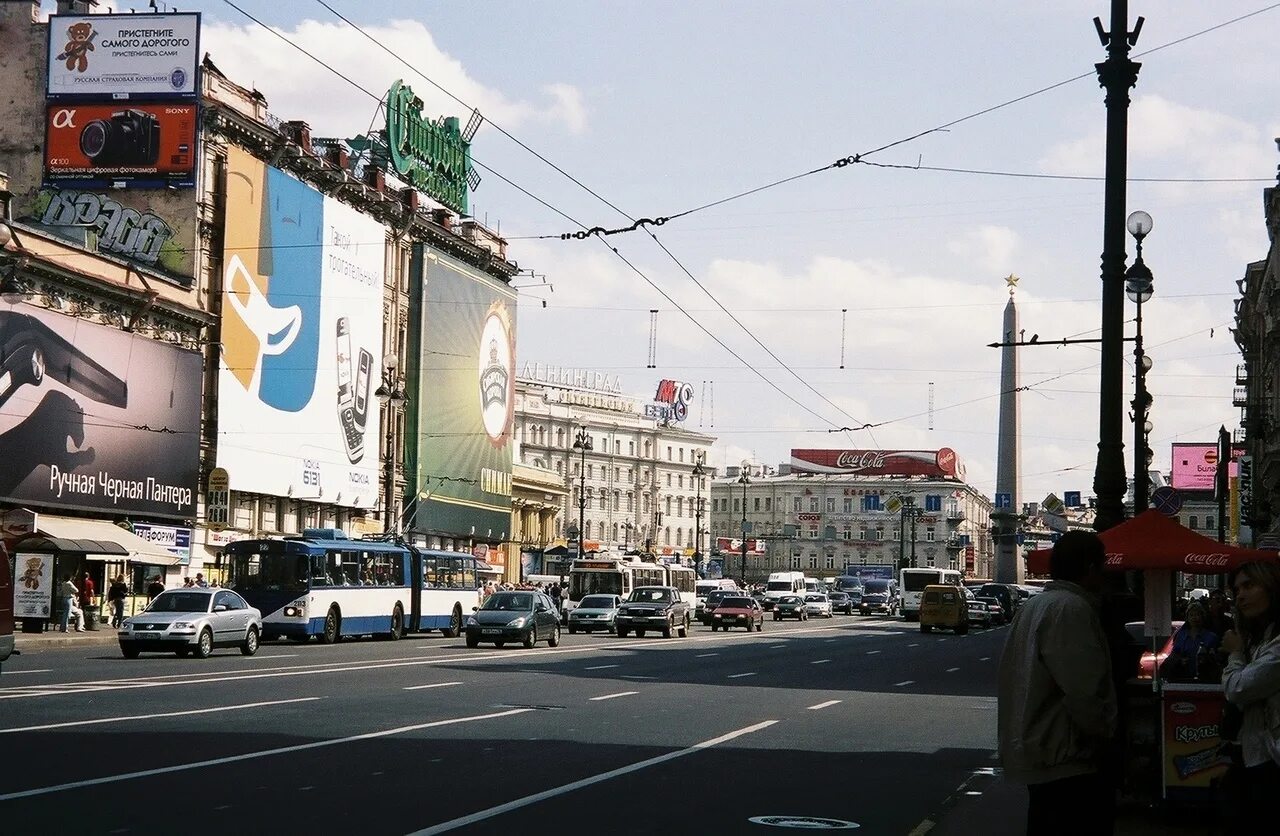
(139, 235)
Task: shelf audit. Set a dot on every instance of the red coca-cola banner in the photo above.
(938, 463)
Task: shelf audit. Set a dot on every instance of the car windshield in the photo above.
(520, 601)
(180, 602)
(650, 595)
(790, 599)
(744, 603)
(717, 596)
(597, 602)
(818, 598)
(778, 585)
(875, 587)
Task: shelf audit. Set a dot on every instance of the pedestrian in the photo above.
(187, 583)
(67, 594)
(200, 581)
(116, 594)
(1251, 681)
(154, 588)
(1057, 701)
(87, 592)
(1192, 646)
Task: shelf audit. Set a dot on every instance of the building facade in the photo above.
(629, 470)
(828, 509)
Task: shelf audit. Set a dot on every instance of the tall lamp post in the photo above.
(582, 444)
(912, 513)
(744, 480)
(392, 397)
(698, 472)
(1139, 286)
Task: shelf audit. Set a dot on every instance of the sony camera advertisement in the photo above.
(302, 340)
(95, 418)
(131, 144)
(463, 407)
(123, 57)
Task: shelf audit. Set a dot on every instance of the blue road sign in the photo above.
(1071, 499)
(1166, 500)
(1004, 500)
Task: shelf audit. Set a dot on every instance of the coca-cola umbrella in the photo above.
(1152, 540)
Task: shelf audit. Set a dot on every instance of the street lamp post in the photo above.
(744, 480)
(912, 513)
(1139, 286)
(582, 444)
(698, 472)
(392, 397)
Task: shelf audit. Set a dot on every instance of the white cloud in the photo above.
(298, 88)
(989, 248)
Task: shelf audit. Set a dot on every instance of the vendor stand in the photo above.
(1190, 760)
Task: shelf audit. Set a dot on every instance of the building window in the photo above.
(813, 504)
(795, 504)
(757, 505)
(617, 448)
(862, 533)
(668, 509)
(591, 471)
(813, 532)
(1208, 523)
(880, 533)
(617, 474)
(668, 480)
(617, 500)
(646, 502)
(848, 531)
(932, 502)
(795, 562)
(768, 503)
(929, 534)
(848, 505)
(831, 561)
(680, 480)
(631, 502)
(604, 501)
(646, 449)
(737, 505)
(668, 454)
(666, 537)
(680, 506)
(1193, 523)
(560, 437)
(631, 448)
(679, 536)
(681, 454)
(871, 502)
(813, 562)
(831, 505)
(560, 468)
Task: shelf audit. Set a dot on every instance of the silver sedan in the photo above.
(817, 604)
(594, 612)
(188, 620)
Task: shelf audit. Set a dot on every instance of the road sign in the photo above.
(1166, 500)
(1071, 499)
(1004, 500)
(217, 500)
(1053, 505)
(893, 505)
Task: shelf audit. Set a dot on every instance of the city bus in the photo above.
(604, 574)
(685, 579)
(326, 585)
(913, 582)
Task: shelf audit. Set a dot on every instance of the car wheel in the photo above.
(332, 627)
(397, 623)
(554, 641)
(250, 645)
(204, 645)
(622, 632)
(129, 652)
(455, 624)
(684, 629)
(666, 629)
(473, 641)
(760, 626)
(639, 634)
(530, 637)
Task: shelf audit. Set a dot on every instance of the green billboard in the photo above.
(461, 375)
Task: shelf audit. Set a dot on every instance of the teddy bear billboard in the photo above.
(120, 57)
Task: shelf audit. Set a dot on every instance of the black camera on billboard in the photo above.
(128, 138)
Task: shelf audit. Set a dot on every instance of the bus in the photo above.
(327, 585)
(913, 582)
(604, 574)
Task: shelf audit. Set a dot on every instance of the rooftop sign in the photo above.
(431, 156)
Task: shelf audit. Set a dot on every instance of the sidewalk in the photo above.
(35, 642)
(993, 807)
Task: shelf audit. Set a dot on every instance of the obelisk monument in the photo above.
(1005, 518)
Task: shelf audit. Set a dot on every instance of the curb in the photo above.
(38, 641)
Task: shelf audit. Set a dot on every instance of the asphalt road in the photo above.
(862, 720)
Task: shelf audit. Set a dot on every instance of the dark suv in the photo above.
(654, 608)
(1008, 597)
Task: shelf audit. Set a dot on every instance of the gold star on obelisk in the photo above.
(1012, 281)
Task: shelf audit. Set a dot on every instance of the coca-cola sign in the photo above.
(943, 463)
(1212, 561)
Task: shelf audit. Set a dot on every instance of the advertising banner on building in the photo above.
(734, 544)
(463, 369)
(176, 541)
(33, 587)
(95, 418)
(942, 463)
(114, 144)
(301, 340)
(123, 56)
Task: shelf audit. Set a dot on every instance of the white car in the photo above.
(817, 603)
(196, 620)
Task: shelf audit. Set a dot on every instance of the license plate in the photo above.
(489, 631)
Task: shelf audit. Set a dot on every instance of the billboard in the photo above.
(112, 144)
(96, 418)
(1195, 465)
(943, 463)
(301, 340)
(123, 56)
(462, 365)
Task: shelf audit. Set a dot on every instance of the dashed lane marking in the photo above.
(915, 644)
(820, 662)
(601, 667)
(614, 696)
(823, 705)
(872, 652)
(740, 675)
(42, 670)
(952, 670)
(985, 659)
(705, 655)
(904, 682)
(432, 685)
(132, 717)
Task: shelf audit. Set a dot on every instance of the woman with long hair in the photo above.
(1251, 679)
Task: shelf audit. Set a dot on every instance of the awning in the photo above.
(96, 539)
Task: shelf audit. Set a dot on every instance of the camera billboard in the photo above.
(109, 145)
(123, 57)
(462, 364)
(301, 340)
(95, 418)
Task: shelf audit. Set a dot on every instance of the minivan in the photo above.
(943, 605)
(880, 595)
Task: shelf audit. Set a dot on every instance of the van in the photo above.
(943, 605)
(782, 583)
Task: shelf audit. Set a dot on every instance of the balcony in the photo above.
(1242, 374)
(1240, 396)
(954, 544)
(956, 514)
(1239, 436)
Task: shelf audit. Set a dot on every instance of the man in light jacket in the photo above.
(1057, 700)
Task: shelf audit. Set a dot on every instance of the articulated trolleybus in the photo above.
(604, 574)
(325, 584)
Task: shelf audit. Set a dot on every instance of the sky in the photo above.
(855, 295)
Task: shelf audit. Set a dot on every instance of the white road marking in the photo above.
(483, 815)
(823, 705)
(283, 750)
(272, 656)
(985, 659)
(129, 717)
(904, 682)
(832, 640)
(820, 662)
(952, 670)
(916, 644)
(42, 670)
(944, 638)
(636, 676)
(432, 685)
(776, 646)
(872, 652)
(740, 675)
(601, 667)
(614, 696)
(705, 655)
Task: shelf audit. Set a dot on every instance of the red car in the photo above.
(738, 612)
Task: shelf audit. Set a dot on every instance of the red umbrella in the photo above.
(1153, 541)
